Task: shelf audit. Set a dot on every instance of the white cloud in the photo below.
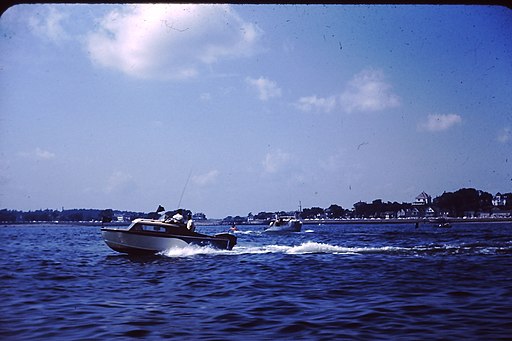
(505, 135)
(367, 91)
(310, 103)
(42, 154)
(49, 26)
(38, 154)
(265, 87)
(207, 178)
(437, 122)
(275, 161)
(170, 40)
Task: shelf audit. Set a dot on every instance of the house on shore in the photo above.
(421, 208)
(422, 199)
(501, 199)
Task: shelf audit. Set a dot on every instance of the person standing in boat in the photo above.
(178, 217)
(190, 223)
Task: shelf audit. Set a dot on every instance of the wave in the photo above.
(192, 250)
(304, 248)
(324, 248)
(262, 232)
(246, 232)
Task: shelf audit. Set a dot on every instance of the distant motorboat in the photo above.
(284, 224)
(153, 236)
(442, 223)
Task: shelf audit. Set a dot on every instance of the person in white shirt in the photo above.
(190, 224)
(178, 217)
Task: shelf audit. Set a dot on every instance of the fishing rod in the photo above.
(184, 187)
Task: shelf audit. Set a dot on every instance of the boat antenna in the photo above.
(184, 187)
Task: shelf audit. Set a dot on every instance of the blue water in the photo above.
(328, 282)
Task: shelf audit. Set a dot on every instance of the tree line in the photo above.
(80, 215)
(70, 215)
(451, 204)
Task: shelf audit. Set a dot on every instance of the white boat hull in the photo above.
(147, 236)
(125, 242)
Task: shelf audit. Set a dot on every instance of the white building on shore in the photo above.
(422, 199)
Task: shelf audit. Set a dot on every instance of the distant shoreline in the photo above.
(406, 221)
(218, 222)
(395, 221)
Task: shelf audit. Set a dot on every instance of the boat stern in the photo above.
(230, 239)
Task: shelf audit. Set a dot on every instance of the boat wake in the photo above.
(193, 250)
(323, 248)
(247, 232)
(312, 248)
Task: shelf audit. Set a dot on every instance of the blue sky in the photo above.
(258, 106)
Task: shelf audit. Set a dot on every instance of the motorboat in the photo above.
(442, 223)
(284, 224)
(144, 236)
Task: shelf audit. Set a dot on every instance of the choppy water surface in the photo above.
(333, 281)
